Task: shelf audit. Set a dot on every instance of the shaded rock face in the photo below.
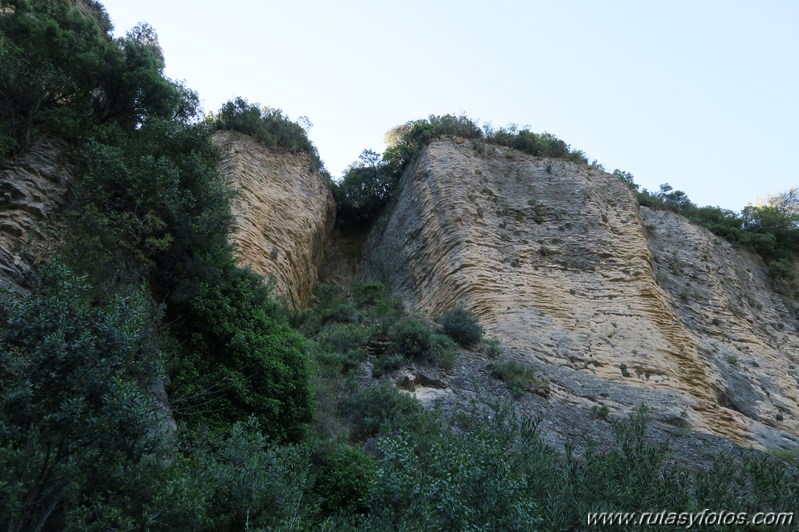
(611, 305)
(283, 212)
(33, 188)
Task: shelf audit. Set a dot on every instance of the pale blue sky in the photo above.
(700, 94)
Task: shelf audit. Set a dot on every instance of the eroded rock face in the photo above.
(33, 188)
(283, 214)
(559, 264)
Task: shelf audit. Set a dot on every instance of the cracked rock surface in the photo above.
(611, 304)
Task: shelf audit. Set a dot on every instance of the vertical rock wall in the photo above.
(557, 262)
(33, 188)
(283, 212)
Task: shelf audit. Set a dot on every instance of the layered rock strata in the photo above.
(33, 188)
(283, 213)
(612, 306)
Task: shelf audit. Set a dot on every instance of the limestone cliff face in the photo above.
(33, 188)
(611, 304)
(283, 213)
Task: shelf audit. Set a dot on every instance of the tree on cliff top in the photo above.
(269, 126)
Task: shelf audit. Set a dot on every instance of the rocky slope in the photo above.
(33, 188)
(612, 305)
(283, 213)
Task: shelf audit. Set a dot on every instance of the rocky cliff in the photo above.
(613, 305)
(33, 188)
(283, 212)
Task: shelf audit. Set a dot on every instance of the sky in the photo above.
(703, 95)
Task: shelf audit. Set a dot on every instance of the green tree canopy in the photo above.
(62, 72)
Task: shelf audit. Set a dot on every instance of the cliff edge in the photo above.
(613, 305)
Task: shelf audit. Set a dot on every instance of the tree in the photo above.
(80, 435)
(62, 72)
(627, 178)
(772, 231)
(788, 201)
(364, 191)
(675, 200)
(238, 360)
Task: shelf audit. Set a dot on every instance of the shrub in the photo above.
(367, 294)
(520, 378)
(782, 270)
(78, 425)
(235, 481)
(492, 348)
(627, 178)
(443, 351)
(411, 338)
(500, 475)
(343, 478)
(447, 480)
(342, 337)
(462, 326)
(332, 363)
(601, 411)
(332, 303)
(387, 363)
(381, 408)
(267, 125)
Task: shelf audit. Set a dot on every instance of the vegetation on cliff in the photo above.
(770, 230)
(368, 185)
(267, 125)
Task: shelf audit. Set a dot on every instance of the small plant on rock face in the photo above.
(492, 348)
(520, 378)
(601, 411)
(462, 326)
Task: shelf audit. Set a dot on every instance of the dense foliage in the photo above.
(364, 191)
(239, 361)
(267, 125)
(63, 73)
(88, 358)
(80, 435)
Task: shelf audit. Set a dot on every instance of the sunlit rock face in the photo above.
(33, 190)
(612, 304)
(283, 213)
